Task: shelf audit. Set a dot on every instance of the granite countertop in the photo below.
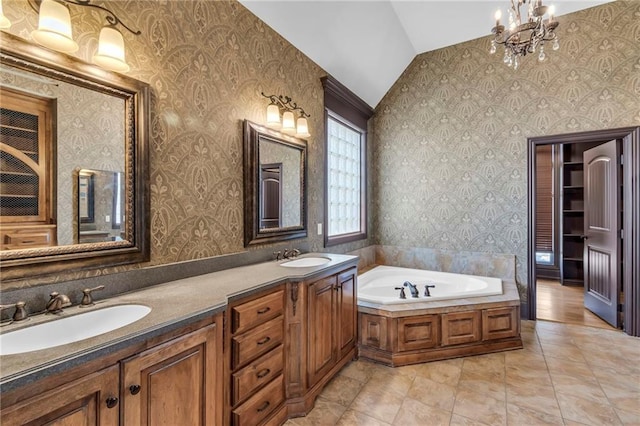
(173, 305)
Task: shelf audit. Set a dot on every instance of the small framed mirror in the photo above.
(275, 173)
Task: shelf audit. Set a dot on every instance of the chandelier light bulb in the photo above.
(288, 123)
(302, 128)
(552, 12)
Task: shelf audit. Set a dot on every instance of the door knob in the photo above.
(111, 402)
(134, 389)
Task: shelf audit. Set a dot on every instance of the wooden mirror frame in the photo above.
(252, 134)
(29, 263)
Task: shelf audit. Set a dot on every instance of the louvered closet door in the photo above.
(602, 270)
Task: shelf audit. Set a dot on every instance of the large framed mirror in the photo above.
(275, 196)
(74, 166)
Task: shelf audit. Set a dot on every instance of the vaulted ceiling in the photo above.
(367, 44)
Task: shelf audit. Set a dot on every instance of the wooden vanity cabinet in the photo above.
(174, 383)
(90, 400)
(322, 335)
(173, 379)
(255, 363)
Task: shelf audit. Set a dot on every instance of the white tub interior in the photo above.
(378, 285)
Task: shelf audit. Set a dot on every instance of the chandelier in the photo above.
(524, 37)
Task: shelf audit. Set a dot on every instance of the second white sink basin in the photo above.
(306, 262)
(70, 329)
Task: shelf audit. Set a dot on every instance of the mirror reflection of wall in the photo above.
(289, 159)
(90, 134)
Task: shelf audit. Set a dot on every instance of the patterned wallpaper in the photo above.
(207, 63)
(450, 152)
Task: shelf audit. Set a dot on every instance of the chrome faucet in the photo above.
(57, 302)
(20, 313)
(412, 288)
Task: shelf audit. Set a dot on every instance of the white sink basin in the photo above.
(306, 262)
(70, 329)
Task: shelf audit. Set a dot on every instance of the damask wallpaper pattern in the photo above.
(207, 63)
(450, 152)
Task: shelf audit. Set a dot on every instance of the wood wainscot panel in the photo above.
(419, 332)
(461, 327)
(500, 323)
(373, 331)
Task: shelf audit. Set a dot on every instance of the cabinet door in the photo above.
(322, 323)
(347, 312)
(175, 383)
(89, 401)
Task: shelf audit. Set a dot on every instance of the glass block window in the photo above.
(345, 171)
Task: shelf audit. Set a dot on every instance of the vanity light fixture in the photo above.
(54, 31)
(288, 125)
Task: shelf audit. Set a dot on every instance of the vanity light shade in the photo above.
(4, 21)
(110, 54)
(273, 116)
(288, 123)
(54, 27)
(302, 128)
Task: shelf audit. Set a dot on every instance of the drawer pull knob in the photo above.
(264, 310)
(264, 406)
(134, 389)
(263, 373)
(264, 340)
(111, 402)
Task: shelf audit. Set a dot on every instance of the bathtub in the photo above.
(378, 285)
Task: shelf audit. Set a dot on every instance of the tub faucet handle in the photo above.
(402, 295)
(426, 290)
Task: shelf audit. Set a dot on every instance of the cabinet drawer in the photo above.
(257, 374)
(255, 312)
(258, 407)
(260, 340)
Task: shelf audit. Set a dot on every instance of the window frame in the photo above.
(362, 234)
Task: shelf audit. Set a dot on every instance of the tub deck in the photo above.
(410, 333)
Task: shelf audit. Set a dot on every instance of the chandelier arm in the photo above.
(111, 17)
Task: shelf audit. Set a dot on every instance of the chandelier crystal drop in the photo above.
(525, 36)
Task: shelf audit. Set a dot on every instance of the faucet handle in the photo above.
(277, 254)
(20, 313)
(87, 299)
(426, 290)
(402, 294)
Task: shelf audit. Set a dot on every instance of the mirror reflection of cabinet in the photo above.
(26, 149)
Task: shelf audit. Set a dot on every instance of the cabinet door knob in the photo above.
(264, 406)
(112, 401)
(134, 389)
(264, 310)
(262, 373)
(263, 341)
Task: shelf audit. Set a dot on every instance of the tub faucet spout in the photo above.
(412, 288)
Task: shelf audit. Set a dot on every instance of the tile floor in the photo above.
(565, 375)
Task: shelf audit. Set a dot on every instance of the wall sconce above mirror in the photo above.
(55, 31)
(275, 198)
(288, 124)
(61, 115)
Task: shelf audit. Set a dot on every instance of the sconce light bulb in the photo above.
(288, 123)
(4, 21)
(302, 128)
(498, 15)
(110, 54)
(54, 27)
(273, 116)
